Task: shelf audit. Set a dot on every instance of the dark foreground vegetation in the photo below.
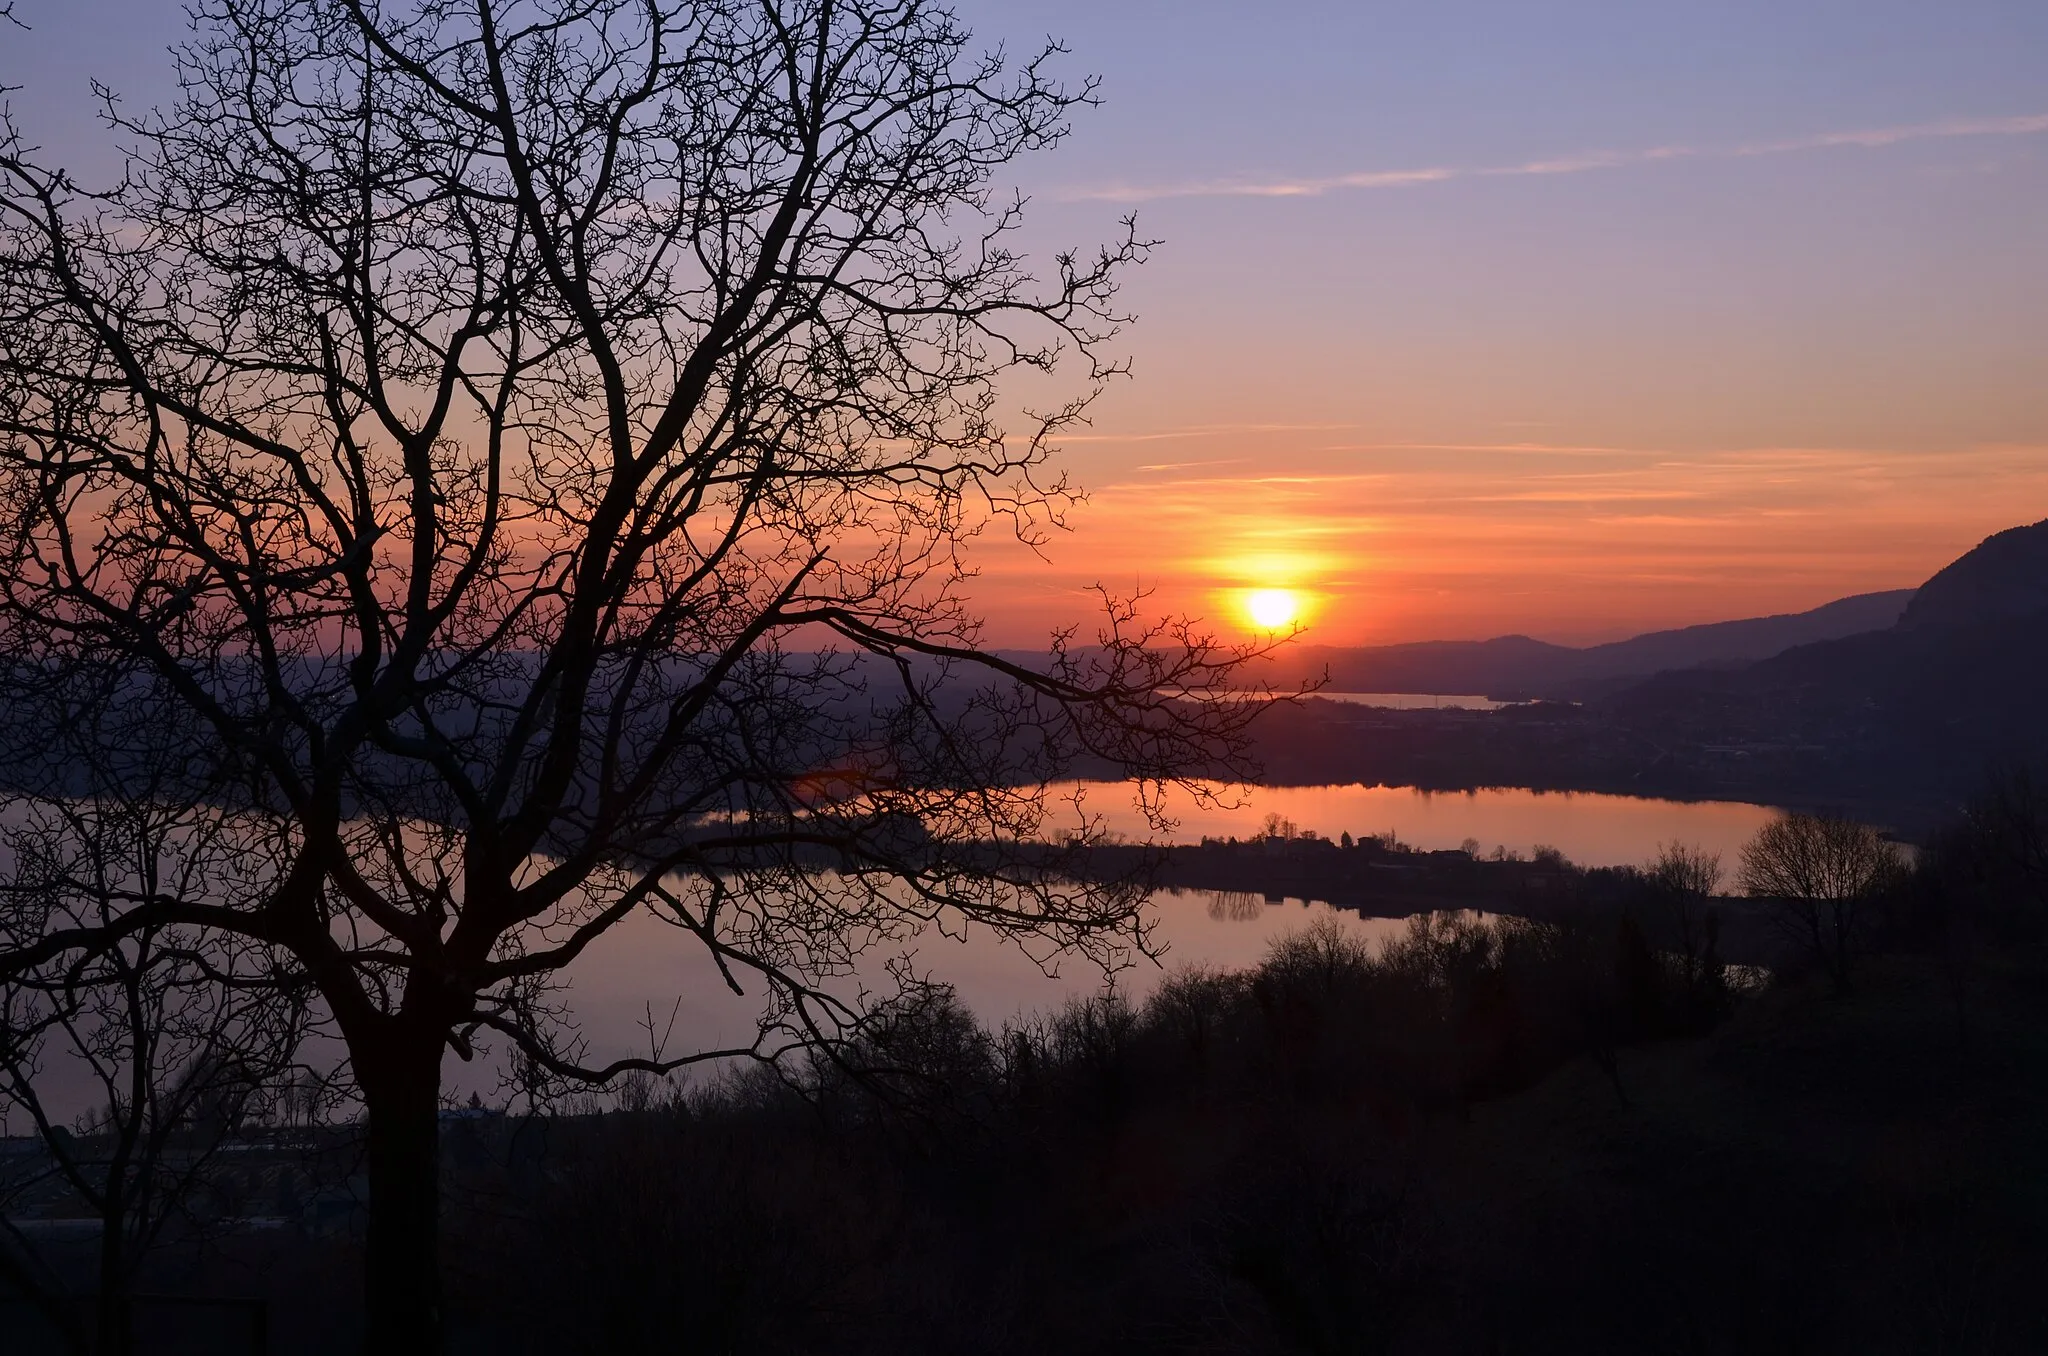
(1496, 1134)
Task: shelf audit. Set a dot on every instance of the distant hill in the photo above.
(1723, 644)
(1510, 666)
(2003, 579)
(1955, 686)
(1505, 664)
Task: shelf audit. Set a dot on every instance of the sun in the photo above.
(1272, 609)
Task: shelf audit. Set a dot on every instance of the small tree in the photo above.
(1682, 878)
(1818, 872)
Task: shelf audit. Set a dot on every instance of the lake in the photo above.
(644, 970)
(1591, 829)
(644, 967)
(1415, 701)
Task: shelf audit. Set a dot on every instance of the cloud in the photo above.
(2028, 125)
(1580, 163)
(1200, 431)
(1542, 449)
(1190, 465)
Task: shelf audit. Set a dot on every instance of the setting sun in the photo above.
(1272, 609)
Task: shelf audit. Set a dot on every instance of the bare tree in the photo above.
(521, 456)
(1819, 870)
(1684, 877)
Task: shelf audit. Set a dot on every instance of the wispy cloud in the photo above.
(1200, 431)
(1190, 465)
(1541, 449)
(1579, 163)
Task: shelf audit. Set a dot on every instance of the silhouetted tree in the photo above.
(1682, 878)
(2004, 836)
(1194, 1003)
(1983, 881)
(520, 457)
(137, 1062)
(1819, 871)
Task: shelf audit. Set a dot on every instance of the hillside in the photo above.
(1902, 721)
(1742, 642)
(1521, 666)
(1954, 686)
(2004, 579)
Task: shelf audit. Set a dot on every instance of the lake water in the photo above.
(644, 967)
(1414, 701)
(1592, 830)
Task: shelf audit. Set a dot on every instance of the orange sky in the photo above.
(1574, 320)
(1573, 543)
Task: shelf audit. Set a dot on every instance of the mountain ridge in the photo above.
(1951, 689)
(1521, 666)
(2002, 578)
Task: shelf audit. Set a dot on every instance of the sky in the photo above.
(1572, 318)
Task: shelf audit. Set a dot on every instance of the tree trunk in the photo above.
(113, 1317)
(401, 1084)
(1844, 919)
